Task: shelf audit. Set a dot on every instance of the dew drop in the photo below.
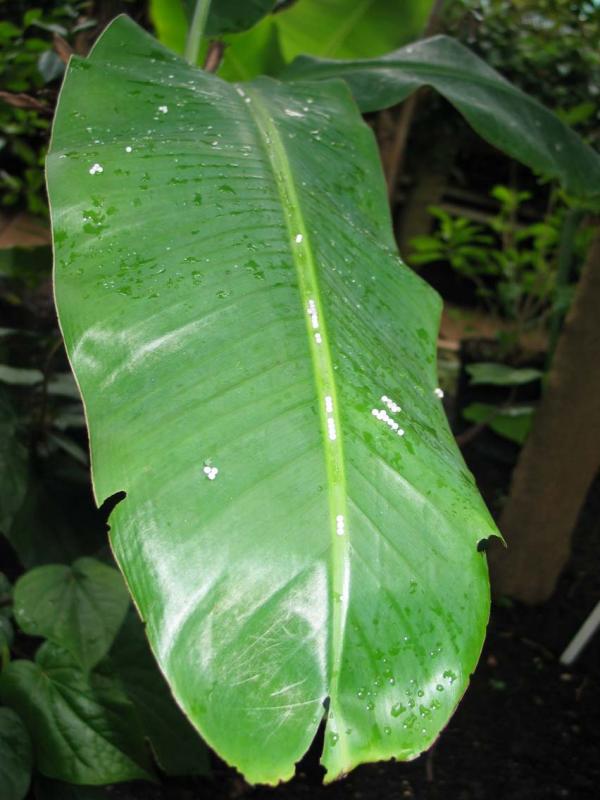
(450, 675)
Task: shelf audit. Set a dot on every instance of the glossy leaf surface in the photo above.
(244, 335)
(15, 756)
(504, 115)
(79, 608)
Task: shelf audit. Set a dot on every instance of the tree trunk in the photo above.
(561, 455)
(430, 182)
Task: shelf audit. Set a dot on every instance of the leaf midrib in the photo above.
(325, 385)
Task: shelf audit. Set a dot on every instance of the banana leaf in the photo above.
(298, 531)
(498, 111)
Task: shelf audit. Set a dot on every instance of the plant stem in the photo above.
(214, 56)
(196, 31)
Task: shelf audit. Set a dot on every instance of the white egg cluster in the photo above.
(312, 313)
(382, 415)
(331, 431)
(211, 472)
(393, 407)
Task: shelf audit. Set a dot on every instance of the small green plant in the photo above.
(30, 71)
(513, 265)
(511, 420)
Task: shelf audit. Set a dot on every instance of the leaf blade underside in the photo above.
(184, 295)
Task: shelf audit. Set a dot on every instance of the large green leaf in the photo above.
(80, 607)
(15, 756)
(254, 52)
(349, 28)
(328, 28)
(504, 115)
(244, 333)
(83, 727)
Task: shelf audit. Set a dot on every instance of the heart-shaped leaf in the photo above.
(80, 607)
(258, 370)
(83, 727)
